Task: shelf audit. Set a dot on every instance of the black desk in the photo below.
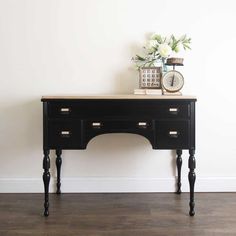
(70, 122)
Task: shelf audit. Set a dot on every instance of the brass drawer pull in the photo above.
(142, 124)
(173, 134)
(65, 110)
(174, 110)
(65, 134)
(96, 124)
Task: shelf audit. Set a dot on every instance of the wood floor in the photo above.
(142, 214)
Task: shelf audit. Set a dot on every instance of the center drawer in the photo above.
(97, 127)
(103, 125)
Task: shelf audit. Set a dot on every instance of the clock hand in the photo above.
(172, 82)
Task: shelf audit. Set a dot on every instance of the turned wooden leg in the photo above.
(58, 164)
(179, 165)
(46, 180)
(191, 178)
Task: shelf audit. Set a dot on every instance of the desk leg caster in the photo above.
(46, 180)
(179, 165)
(58, 164)
(191, 178)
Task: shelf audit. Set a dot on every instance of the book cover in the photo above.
(148, 91)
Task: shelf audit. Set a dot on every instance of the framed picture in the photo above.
(150, 77)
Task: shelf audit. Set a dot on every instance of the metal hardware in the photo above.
(65, 133)
(96, 124)
(142, 124)
(65, 110)
(174, 110)
(173, 134)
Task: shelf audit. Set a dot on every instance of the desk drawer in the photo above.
(129, 109)
(97, 127)
(172, 134)
(101, 125)
(65, 134)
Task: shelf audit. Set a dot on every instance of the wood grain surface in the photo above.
(134, 214)
(121, 96)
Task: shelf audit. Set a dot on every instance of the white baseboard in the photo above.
(111, 185)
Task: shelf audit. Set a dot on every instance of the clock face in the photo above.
(173, 81)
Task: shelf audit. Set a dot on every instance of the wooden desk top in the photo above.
(117, 96)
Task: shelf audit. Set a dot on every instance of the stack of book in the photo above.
(155, 92)
(172, 94)
(148, 91)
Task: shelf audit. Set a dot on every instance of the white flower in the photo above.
(179, 48)
(151, 45)
(156, 37)
(164, 50)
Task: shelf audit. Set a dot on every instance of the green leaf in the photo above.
(140, 58)
(186, 46)
(183, 37)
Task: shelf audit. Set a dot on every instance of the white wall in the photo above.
(84, 47)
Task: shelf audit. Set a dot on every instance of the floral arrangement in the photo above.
(159, 48)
